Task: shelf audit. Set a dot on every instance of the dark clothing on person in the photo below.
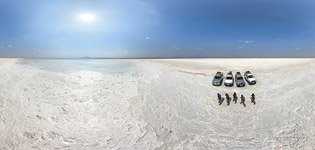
(235, 97)
(228, 99)
(243, 100)
(253, 99)
(221, 100)
(219, 96)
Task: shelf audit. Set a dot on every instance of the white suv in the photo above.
(249, 77)
(229, 80)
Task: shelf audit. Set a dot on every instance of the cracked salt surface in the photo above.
(154, 104)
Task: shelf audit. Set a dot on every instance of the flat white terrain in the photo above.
(155, 104)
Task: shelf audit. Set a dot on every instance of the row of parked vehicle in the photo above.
(229, 80)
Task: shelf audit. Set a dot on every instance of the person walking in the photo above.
(243, 100)
(228, 99)
(253, 99)
(220, 99)
(235, 97)
(219, 96)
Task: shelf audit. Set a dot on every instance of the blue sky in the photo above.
(164, 28)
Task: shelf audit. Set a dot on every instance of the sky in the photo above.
(159, 28)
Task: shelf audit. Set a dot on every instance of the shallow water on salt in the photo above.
(66, 65)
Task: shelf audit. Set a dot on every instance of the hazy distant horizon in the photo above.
(293, 57)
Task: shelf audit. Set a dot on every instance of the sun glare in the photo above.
(87, 17)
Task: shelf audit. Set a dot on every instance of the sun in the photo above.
(87, 17)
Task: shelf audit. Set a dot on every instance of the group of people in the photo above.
(229, 99)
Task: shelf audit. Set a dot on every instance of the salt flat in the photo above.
(4, 60)
(155, 104)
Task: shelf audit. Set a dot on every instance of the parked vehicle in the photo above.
(249, 77)
(229, 80)
(239, 80)
(218, 79)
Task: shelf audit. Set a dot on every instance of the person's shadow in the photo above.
(221, 101)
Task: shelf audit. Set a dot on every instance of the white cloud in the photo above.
(148, 38)
(36, 49)
(250, 41)
(175, 47)
(244, 44)
(298, 49)
(246, 41)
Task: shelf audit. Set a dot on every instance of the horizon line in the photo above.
(157, 57)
